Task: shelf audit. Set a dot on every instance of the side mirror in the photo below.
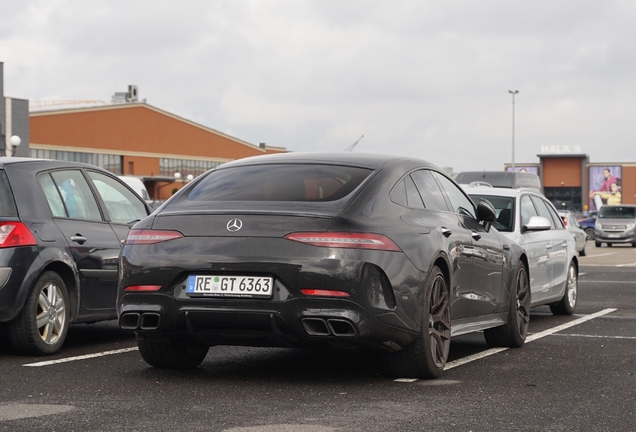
(537, 223)
(486, 211)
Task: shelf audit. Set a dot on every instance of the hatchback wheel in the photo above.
(427, 355)
(514, 332)
(598, 244)
(568, 303)
(171, 354)
(590, 233)
(42, 325)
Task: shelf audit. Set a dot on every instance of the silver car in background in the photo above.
(615, 224)
(572, 225)
(531, 220)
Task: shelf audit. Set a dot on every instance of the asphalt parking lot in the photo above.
(575, 373)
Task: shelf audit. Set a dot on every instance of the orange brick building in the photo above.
(136, 139)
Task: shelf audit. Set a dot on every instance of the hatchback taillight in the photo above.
(347, 240)
(13, 234)
(137, 237)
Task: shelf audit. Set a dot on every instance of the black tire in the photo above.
(567, 305)
(427, 355)
(170, 354)
(609, 244)
(582, 252)
(590, 233)
(42, 325)
(598, 244)
(513, 333)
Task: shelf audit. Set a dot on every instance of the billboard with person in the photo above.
(605, 186)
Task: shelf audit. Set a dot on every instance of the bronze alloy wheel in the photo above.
(513, 333)
(439, 321)
(523, 302)
(426, 356)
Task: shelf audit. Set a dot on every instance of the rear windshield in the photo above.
(7, 204)
(308, 183)
(617, 212)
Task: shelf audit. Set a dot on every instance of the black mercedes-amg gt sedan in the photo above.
(322, 250)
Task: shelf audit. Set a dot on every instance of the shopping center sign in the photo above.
(560, 149)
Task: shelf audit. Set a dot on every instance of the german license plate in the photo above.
(230, 286)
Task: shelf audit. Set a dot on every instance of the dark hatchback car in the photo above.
(335, 251)
(61, 229)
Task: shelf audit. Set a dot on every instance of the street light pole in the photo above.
(513, 93)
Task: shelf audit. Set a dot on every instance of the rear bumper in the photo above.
(310, 322)
(16, 276)
(382, 309)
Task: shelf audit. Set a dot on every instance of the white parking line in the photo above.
(603, 254)
(596, 336)
(576, 322)
(530, 338)
(626, 265)
(449, 365)
(84, 357)
(606, 282)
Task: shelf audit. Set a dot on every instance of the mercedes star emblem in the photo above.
(234, 225)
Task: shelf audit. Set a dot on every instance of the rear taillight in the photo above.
(565, 221)
(347, 240)
(137, 237)
(142, 288)
(13, 234)
(323, 293)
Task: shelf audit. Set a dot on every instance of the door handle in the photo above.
(78, 238)
(446, 232)
(475, 235)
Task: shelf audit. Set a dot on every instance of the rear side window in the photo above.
(72, 189)
(430, 191)
(7, 203)
(298, 182)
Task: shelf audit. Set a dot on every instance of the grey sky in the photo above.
(428, 79)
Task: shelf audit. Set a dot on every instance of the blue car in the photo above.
(587, 225)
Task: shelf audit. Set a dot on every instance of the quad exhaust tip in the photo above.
(140, 321)
(329, 327)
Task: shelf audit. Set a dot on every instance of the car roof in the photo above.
(495, 191)
(367, 160)
(618, 205)
(43, 163)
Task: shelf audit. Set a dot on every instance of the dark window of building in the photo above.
(565, 198)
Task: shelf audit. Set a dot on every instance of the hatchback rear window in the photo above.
(7, 203)
(297, 182)
(617, 212)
